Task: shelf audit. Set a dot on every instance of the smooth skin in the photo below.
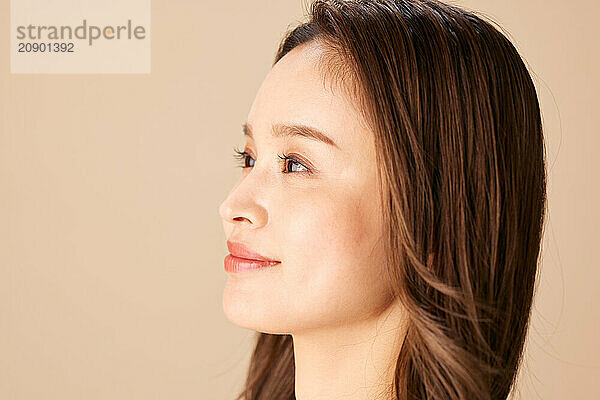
(329, 291)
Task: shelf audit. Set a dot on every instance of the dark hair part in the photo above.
(461, 156)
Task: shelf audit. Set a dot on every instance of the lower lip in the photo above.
(238, 264)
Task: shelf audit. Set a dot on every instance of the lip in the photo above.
(242, 258)
(240, 250)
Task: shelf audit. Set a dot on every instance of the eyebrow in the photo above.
(286, 130)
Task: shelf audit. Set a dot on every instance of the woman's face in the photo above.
(321, 217)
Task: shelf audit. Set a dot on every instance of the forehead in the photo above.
(295, 91)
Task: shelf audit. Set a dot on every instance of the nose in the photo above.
(241, 206)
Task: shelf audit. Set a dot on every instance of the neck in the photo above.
(350, 362)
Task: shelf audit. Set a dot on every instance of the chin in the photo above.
(243, 309)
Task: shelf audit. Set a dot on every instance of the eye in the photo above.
(290, 162)
(294, 163)
(244, 157)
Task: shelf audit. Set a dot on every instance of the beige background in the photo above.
(111, 246)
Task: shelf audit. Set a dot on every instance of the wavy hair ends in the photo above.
(461, 157)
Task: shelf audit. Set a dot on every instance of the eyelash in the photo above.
(241, 156)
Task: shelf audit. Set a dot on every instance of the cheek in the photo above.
(334, 260)
(332, 229)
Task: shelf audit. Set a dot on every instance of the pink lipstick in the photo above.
(243, 258)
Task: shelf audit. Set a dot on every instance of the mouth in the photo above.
(243, 258)
(239, 264)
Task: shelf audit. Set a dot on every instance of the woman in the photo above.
(392, 200)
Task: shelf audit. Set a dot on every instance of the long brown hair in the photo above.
(461, 156)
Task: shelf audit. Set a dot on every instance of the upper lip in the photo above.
(243, 251)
